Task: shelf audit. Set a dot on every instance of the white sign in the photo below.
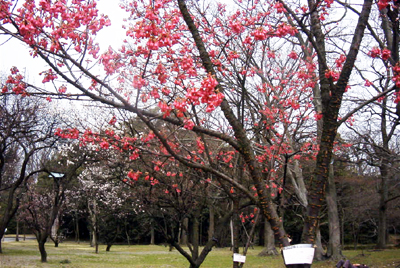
(298, 254)
(239, 258)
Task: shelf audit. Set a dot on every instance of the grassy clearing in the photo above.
(72, 255)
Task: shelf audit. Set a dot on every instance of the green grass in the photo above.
(72, 255)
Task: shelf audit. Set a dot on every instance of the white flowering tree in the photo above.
(108, 201)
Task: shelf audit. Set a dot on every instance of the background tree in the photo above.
(46, 196)
(384, 111)
(26, 135)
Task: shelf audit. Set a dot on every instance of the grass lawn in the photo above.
(69, 254)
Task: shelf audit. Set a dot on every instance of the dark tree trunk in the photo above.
(108, 247)
(10, 211)
(17, 232)
(42, 250)
(96, 240)
(382, 222)
(384, 155)
(195, 237)
(96, 247)
(235, 230)
(152, 235)
(334, 251)
(184, 236)
(209, 245)
(76, 228)
(212, 222)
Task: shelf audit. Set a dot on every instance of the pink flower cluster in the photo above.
(134, 175)
(111, 61)
(376, 52)
(206, 94)
(396, 77)
(332, 74)
(382, 4)
(48, 23)
(15, 81)
(48, 76)
(69, 133)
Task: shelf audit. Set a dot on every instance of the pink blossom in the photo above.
(293, 55)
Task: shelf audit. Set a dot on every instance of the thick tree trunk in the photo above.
(76, 227)
(93, 241)
(96, 246)
(222, 223)
(92, 207)
(17, 232)
(195, 238)
(334, 251)
(10, 211)
(54, 231)
(42, 250)
(211, 222)
(235, 230)
(184, 236)
(152, 235)
(384, 192)
(269, 241)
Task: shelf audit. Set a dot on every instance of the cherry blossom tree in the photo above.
(207, 69)
(172, 197)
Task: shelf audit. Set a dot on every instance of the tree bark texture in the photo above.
(42, 249)
(319, 254)
(235, 224)
(334, 251)
(269, 241)
(211, 222)
(384, 193)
